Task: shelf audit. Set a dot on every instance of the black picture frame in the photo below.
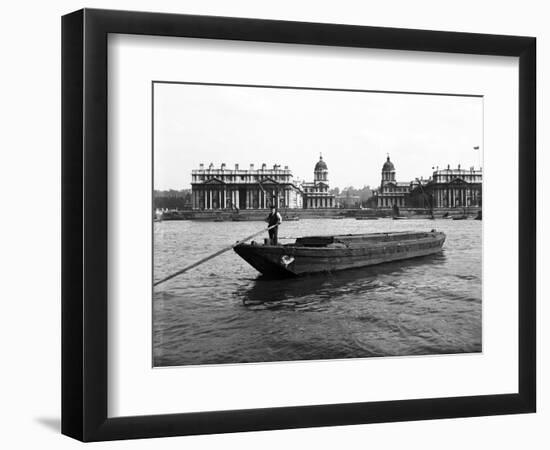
(84, 224)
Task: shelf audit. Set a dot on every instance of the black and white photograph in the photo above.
(260, 226)
(299, 223)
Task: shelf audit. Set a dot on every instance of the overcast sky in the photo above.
(196, 124)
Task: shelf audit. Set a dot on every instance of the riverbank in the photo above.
(296, 214)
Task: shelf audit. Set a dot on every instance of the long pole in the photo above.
(213, 255)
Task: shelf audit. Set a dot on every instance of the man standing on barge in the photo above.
(274, 218)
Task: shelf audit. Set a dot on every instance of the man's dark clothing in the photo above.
(273, 219)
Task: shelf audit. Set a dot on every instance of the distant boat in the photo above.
(398, 218)
(366, 218)
(316, 254)
(337, 217)
(459, 217)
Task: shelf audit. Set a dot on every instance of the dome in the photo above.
(321, 165)
(388, 166)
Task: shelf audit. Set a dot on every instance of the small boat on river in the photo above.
(366, 218)
(316, 254)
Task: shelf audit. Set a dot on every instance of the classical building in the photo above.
(447, 188)
(452, 188)
(316, 193)
(223, 188)
(391, 193)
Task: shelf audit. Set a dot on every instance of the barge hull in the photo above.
(291, 260)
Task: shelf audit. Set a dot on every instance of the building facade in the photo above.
(316, 193)
(447, 188)
(391, 192)
(235, 189)
(454, 188)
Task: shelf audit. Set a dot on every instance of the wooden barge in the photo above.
(316, 254)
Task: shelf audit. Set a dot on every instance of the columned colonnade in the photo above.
(319, 202)
(451, 197)
(207, 198)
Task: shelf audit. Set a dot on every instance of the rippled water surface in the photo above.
(224, 312)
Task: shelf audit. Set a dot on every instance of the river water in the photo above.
(224, 312)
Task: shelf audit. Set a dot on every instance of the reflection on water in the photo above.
(225, 312)
(323, 287)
